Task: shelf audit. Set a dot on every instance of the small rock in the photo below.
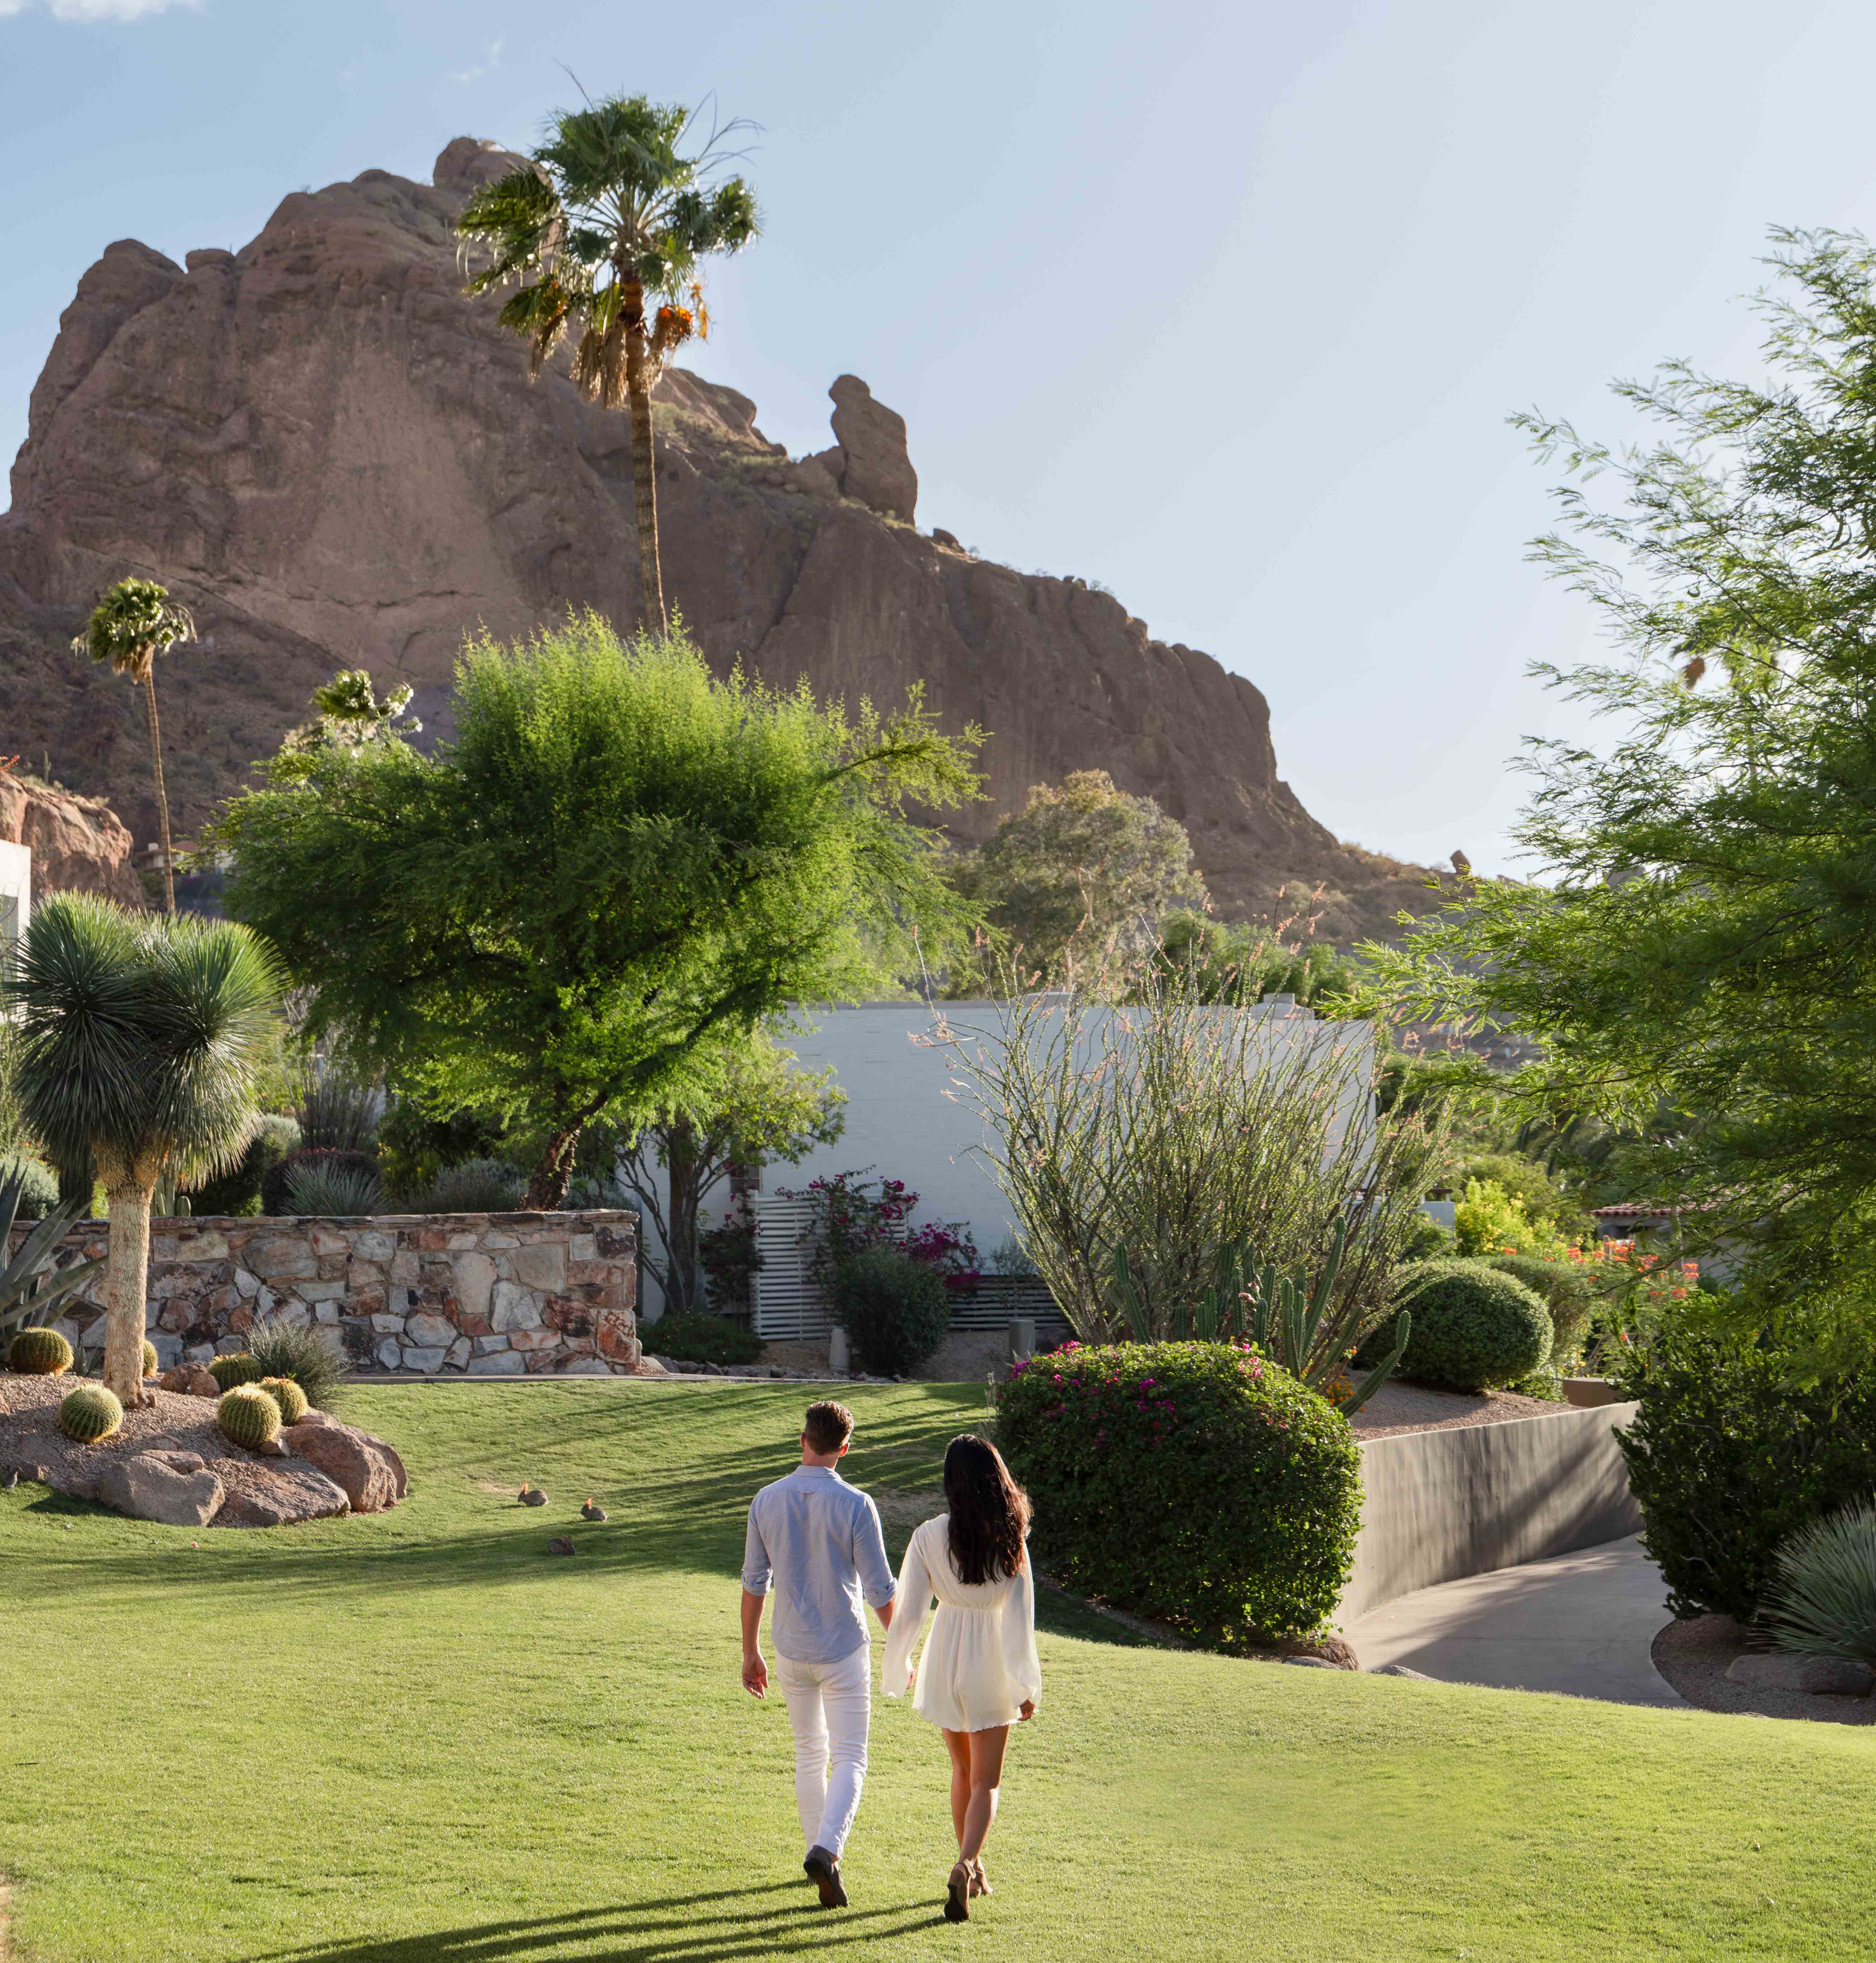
(941, 536)
(189, 1380)
(1836, 1676)
(532, 1496)
(1401, 1669)
(272, 1448)
(1313, 1663)
(591, 1512)
(560, 1545)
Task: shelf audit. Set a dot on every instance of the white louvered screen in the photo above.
(787, 1309)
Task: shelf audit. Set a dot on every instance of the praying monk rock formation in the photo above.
(336, 458)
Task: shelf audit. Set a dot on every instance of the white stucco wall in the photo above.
(16, 894)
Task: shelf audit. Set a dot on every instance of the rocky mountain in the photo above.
(79, 843)
(337, 458)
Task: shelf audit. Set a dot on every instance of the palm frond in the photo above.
(133, 623)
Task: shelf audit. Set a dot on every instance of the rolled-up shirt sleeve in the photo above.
(757, 1567)
(870, 1556)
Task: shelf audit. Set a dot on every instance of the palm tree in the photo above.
(133, 623)
(138, 1034)
(609, 213)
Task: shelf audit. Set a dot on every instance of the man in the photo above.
(816, 1541)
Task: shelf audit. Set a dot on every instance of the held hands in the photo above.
(755, 1674)
(1027, 1708)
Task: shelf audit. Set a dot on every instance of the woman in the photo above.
(979, 1674)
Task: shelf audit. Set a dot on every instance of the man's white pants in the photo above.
(829, 1706)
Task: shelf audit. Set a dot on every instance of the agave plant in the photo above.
(335, 1192)
(34, 1287)
(1292, 1323)
(1823, 1602)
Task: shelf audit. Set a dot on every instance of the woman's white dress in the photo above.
(980, 1662)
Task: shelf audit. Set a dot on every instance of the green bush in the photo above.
(89, 1414)
(1728, 1462)
(237, 1192)
(39, 1353)
(335, 1192)
(1474, 1329)
(275, 1197)
(1824, 1602)
(1191, 1480)
(895, 1310)
(292, 1399)
(38, 1184)
(238, 1367)
(248, 1416)
(1567, 1288)
(307, 1354)
(477, 1186)
(693, 1337)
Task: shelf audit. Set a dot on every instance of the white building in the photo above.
(16, 896)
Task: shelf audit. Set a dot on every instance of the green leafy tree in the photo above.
(621, 868)
(133, 623)
(612, 213)
(1232, 962)
(755, 1107)
(347, 711)
(1701, 937)
(1076, 884)
(140, 1035)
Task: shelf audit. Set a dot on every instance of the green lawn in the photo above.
(417, 1736)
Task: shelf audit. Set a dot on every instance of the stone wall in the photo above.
(485, 1295)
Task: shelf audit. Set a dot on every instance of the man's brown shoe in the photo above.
(823, 1869)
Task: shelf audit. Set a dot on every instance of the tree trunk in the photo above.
(547, 1185)
(682, 1164)
(126, 1288)
(651, 612)
(162, 796)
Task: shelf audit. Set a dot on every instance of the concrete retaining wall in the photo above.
(1441, 1505)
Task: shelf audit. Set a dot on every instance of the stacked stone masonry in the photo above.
(483, 1294)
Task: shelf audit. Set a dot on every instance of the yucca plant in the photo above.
(1823, 1602)
(133, 623)
(140, 1037)
(34, 1287)
(306, 1354)
(610, 214)
(336, 1191)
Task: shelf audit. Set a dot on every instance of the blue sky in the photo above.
(1222, 305)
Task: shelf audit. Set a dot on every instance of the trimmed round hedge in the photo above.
(1567, 1288)
(1195, 1481)
(1474, 1329)
(894, 1310)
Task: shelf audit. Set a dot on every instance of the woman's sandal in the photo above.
(958, 1894)
(980, 1881)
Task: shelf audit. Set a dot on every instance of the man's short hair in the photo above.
(829, 1426)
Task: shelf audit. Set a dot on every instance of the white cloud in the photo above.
(87, 11)
(493, 62)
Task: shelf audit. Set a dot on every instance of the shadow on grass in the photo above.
(671, 1926)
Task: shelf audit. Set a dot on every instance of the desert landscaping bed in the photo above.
(1719, 1664)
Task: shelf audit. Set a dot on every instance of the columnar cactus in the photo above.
(149, 1358)
(239, 1368)
(39, 1353)
(248, 1416)
(288, 1395)
(89, 1414)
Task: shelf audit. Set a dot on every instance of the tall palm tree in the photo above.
(610, 213)
(138, 1037)
(133, 623)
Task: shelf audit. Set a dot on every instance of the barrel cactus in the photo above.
(288, 1395)
(89, 1414)
(248, 1416)
(149, 1358)
(239, 1368)
(39, 1353)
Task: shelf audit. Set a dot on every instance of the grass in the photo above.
(416, 1737)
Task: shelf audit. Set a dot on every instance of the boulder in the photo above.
(191, 1380)
(280, 1496)
(876, 468)
(1816, 1675)
(147, 1487)
(370, 1472)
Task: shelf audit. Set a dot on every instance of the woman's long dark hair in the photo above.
(990, 1512)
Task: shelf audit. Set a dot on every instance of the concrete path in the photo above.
(1580, 1623)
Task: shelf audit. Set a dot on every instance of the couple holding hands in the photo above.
(815, 1544)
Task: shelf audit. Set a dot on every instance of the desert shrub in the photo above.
(477, 1186)
(1824, 1600)
(692, 1336)
(236, 1368)
(274, 1198)
(1474, 1329)
(89, 1414)
(1191, 1480)
(238, 1192)
(1567, 1288)
(38, 1182)
(306, 1354)
(1729, 1462)
(336, 1116)
(248, 1416)
(1487, 1220)
(39, 1353)
(895, 1309)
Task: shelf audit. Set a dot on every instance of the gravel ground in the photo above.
(1397, 1407)
(1693, 1657)
(32, 1445)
